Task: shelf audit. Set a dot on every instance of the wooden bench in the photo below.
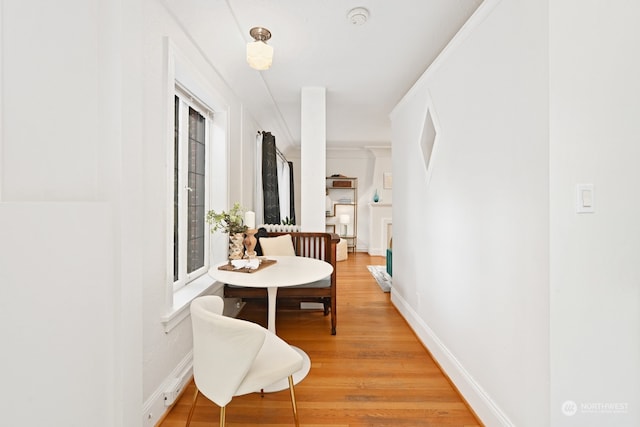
(313, 245)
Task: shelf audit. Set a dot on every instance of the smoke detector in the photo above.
(358, 16)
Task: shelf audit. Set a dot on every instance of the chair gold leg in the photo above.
(223, 409)
(293, 401)
(193, 407)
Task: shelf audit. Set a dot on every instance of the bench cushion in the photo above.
(323, 283)
(319, 284)
(277, 246)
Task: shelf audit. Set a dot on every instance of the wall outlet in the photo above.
(172, 392)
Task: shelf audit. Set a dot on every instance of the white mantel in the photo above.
(380, 223)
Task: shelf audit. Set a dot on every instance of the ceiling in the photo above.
(366, 69)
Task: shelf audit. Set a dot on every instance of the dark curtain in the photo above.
(270, 179)
(292, 206)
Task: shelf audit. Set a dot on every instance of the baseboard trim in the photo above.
(377, 252)
(154, 409)
(479, 401)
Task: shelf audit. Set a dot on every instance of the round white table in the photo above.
(287, 271)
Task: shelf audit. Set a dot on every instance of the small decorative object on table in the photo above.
(236, 246)
(250, 241)
(245, 265)
(376, 198)
(232, 223)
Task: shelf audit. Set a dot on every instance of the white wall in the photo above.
(531, 308)
(471, 244)
(83, 207)
(69, 259)
(594, 131)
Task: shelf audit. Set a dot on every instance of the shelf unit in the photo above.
(342, 201)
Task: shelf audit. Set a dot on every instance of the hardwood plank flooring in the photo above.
(374, 372)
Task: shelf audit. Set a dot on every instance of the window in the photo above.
(192, 124)
(196, 153)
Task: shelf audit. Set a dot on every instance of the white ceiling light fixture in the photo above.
(358, 16)
(259, 53)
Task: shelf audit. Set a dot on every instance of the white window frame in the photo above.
(181, 72)
(188, 101)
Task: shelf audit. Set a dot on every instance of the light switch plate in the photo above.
(585, 200)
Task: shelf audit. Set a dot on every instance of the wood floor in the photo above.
(374, 372)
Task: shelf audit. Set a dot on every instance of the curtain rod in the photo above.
(278, 152)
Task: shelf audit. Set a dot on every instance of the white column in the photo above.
(313, 145)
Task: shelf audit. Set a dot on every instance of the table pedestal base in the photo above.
(298, 376)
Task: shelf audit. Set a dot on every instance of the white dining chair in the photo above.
(233, 357)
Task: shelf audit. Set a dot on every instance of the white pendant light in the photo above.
(259, 53)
